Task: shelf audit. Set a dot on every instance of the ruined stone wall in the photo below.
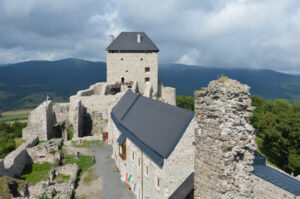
(224, 141)
(169, 95)
(132, 66)
(40, 123)
(60, 113)
(13, 164)
(76, 117)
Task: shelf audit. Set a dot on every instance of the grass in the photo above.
(61, 178)
(19, 142)
(259, 142)
(4, 190)
(70, 133)
(84, 162)
(90, 176)
(87, 144)
(36, 172)
(12, 116)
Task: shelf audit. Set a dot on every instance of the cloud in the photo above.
(220, 33)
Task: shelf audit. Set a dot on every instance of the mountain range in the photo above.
(24, 85)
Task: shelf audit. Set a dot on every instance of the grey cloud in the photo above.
(222, 33)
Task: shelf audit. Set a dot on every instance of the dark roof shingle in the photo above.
(127, 41)
(154, 126)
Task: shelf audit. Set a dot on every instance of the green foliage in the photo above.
(9, 137)
(277, 125)
(36, 172)
(84, 162)
(61, 178)
(186, 102)
(70, 133)
(13, 116)
(4, 190)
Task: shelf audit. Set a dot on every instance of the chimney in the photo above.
(138, 38)
(111, 38)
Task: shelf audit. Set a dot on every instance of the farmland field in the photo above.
(12, 116)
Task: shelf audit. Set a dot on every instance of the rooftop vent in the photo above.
(111, 38)
(138, 38)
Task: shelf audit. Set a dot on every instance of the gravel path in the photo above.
(112, 186)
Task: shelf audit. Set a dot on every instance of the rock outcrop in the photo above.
(224, 141)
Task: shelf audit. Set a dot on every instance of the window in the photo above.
(141, 59)
(157, 182)
(122, 59)
(147, 79)
(122, 150)
(139, 162)
(147, 69)
(132, 157)
(146, 171)
(122, 80)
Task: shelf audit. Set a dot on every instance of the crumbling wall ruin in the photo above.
(13, 164)
(224, 141)
(40, 123)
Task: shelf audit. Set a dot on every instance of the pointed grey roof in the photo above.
(155, 127)
(127, 42)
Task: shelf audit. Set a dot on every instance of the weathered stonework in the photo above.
(224, 141)
(40, 123)
(13, 164)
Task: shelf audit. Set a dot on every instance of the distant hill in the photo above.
(24, 85)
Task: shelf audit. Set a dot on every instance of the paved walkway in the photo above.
(112, 187)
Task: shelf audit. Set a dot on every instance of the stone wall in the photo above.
(40, 123)
(169, 95)
(131, 66)
(13, 164)
(76, 117)
(224, 141)
(60, 113)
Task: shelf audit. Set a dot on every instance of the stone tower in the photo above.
(133, 57)
(224, 141)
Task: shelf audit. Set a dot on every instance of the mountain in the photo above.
(24, 85)
(266, 83)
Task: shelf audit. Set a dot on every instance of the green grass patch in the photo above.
(61, 178)
(12, 116)
(36, 172)
(4, 190)
(70, 133)
(88, 143)
(84, 162)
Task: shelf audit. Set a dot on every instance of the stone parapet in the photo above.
(224, 141)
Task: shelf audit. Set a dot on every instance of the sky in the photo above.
(257, 34)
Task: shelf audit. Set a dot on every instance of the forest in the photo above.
(277, 127)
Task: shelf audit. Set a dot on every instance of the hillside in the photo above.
(24, 85)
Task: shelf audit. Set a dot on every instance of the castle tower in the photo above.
(133, 57)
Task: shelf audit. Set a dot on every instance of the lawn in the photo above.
(11, 116)
(84, 162)
(4, 190)
(36, 172)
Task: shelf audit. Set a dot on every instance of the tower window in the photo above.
(122, 80)
(147, 69)
(141, 59)
(147, 79)
(122, 59)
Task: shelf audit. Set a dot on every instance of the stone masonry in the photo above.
(224, 141)
(40, 123)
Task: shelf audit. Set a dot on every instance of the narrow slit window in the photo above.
(147, 79)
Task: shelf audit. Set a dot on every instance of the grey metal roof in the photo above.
(274, 176)
(127, 41)
(154, 126)
(184, 189)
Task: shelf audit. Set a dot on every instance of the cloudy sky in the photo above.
(217, 33)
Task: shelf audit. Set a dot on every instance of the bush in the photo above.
(70, 133)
